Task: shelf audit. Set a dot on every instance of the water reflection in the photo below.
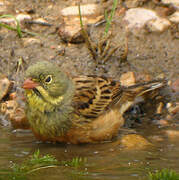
(105, 161)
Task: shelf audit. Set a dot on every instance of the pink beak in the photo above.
(29, 84)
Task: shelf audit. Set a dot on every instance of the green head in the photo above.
(47, 81)
(49, 77)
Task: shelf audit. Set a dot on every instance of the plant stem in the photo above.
(91, 46)
(18, 28)
(109, 19)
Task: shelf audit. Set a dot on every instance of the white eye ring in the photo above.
(48, 79)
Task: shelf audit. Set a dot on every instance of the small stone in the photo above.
(8, 107)
(161, 122)
(156, 138)
(128, 79)
(7, 20)
(158, 24)
(168, 117)
(22, 17)
(15, 113)
(70, 29)
(70, 33)
(175, 86)
(1, 3)
(30, 41)
(19, 17)
(174, 17)
(5, 85)
(19, 120)
(134, 141)
(168, 105)
(174, 109)
(172, 134)
(137, 19)
(88, 9)
(13, 96)
(159, 108)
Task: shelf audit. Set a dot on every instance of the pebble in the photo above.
(7, 20)
(174, 17)
(168, 105)
(19, 17)
(158, 24)
(156, 138)
(22, 17)
(159, 108)
(134, 141)
(175, 85)
(5, 85)
(128, 79)
(168, 117)
(13, 96)
(15, 114)
(137, 17)
(31, 41)
(8, 107)
(69, 30)
(88, 9)
(172, 134)
(161, 122)
(174, 109)
(140, 20)
(70, 33)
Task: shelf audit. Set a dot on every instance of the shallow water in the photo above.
(104, 161)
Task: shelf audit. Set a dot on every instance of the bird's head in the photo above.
(46, 80)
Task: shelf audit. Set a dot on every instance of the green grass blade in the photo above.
(164, 174)
(18, 29)
(109, 19)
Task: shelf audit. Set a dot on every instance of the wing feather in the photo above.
(94, 95)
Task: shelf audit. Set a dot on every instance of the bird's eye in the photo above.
(48, 79)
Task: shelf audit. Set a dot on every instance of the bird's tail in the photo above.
(142, 88)
(131, 93)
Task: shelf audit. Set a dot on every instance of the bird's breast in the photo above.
(37, 103)
(46, 120)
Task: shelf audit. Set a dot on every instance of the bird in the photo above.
(80, 109)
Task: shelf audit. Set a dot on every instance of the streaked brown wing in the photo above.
(95, 94)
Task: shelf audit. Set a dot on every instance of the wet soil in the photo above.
(154, 53)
